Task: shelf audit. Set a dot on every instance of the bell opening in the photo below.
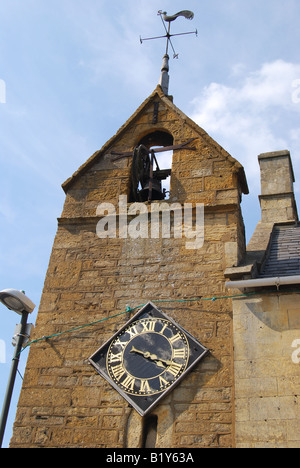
(151, 168)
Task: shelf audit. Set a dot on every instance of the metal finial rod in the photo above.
(164, 79)
(169, 19)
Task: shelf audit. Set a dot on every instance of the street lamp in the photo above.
(18, 302)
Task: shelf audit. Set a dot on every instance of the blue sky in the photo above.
(73, 71)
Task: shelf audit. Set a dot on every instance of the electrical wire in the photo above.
(129, 310)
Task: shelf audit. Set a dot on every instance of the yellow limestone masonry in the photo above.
(64, 402)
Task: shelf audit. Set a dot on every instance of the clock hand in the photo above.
(158, 361)
(146, 355)
(137, 351)
(155, 358)
(165, 362)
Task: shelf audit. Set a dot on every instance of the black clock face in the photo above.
(147, 358)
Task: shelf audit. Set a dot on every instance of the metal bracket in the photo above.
(26, 335)
(158, 150)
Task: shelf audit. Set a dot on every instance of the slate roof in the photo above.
(283, 253)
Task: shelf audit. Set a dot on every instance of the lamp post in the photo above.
(18, 302)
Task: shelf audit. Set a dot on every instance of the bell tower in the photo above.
(108, 262)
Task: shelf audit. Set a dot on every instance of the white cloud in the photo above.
(272, 85)
(256, 115)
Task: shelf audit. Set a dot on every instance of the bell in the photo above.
(156, 193)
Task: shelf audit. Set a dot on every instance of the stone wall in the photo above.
(267, 348)
(64, 402)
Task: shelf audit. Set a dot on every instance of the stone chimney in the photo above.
(277, 200)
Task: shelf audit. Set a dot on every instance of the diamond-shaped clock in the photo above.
(147, 358)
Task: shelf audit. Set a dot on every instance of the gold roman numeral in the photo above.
(179, 353)
(118, 371)
(163, 329)
(149, 326)
(174, 369)
(129, 383)
(145, 387)
(132, 332)
(115, 357)
(163, 383)
(123, 344)
(175, 338)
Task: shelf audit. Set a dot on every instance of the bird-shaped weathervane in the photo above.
(164, 79)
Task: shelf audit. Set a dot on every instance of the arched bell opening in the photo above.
(151, 167)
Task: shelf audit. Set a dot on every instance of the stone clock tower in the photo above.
(93, 278)
(134, 336)
(157, 327)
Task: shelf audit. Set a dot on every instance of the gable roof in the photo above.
(157, 94)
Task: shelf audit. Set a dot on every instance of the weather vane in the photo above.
(164, 79)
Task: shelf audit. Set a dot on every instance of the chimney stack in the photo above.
(277, 200)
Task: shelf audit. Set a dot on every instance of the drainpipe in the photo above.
(263, 282)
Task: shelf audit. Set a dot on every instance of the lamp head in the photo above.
(16, 301)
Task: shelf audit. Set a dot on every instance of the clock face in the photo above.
(147, 358)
